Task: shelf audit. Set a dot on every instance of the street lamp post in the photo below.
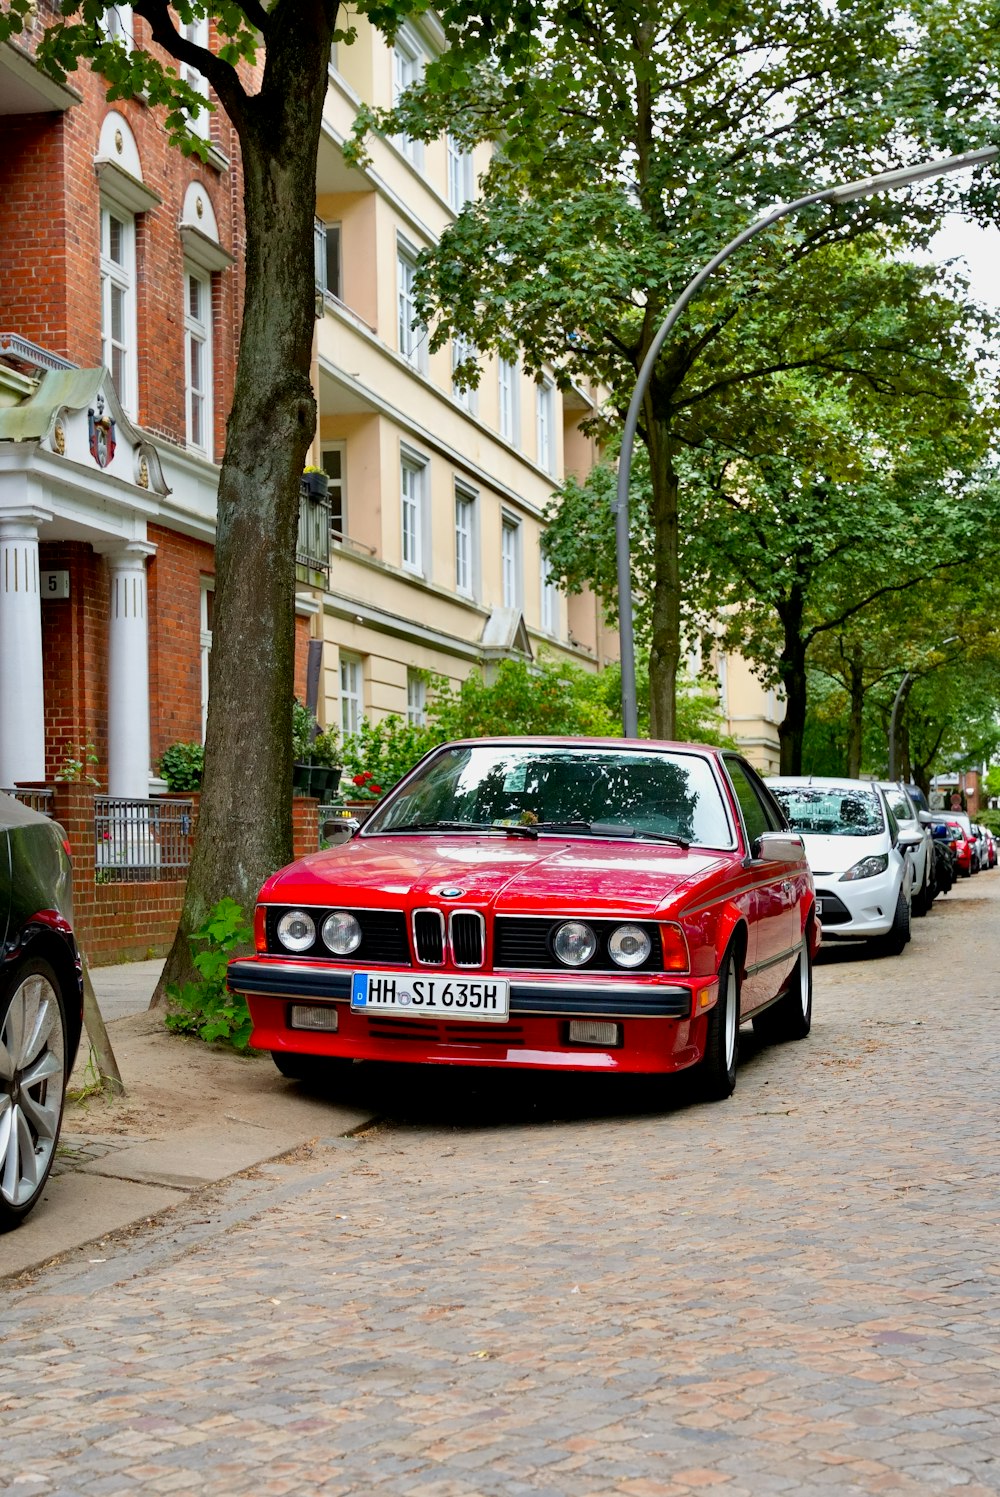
(847, 192)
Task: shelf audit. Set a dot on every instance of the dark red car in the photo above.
(581, 904)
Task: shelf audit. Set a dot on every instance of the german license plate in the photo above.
(486, 1000)
(819, 907)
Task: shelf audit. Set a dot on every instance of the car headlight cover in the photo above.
(574, 943)
(629, 946)
(867, 868)
(296, 930)
(341, 933)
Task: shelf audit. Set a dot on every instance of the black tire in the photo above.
(34, 1035)
(921, 902)
(317, 1070)
(716, 1071)
(893, 942)
(791, 1017)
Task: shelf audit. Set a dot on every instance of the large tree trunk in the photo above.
(245, 818)
(792, 674)
(855, 722)
(665, 645)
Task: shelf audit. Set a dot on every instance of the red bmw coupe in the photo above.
(580, 904)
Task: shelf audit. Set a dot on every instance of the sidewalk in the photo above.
(192, 1114)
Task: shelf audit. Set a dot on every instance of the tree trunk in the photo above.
(855, 724)
(792, 674)
(665, 646)
(245, 816)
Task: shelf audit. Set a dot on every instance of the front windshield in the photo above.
(825, 812)
(563, 790)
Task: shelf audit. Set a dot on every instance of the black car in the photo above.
(41, 1001)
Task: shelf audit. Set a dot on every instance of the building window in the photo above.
(198, 360)
(352, 704)
(326, 243)
(509, 382)
(416, 699)
(460, 175)
(407, 70)
(510, 562)
(196, 31)
(412, 475)
(465, 542)
(118, 328)
(462, 350)
(207, 615)
(550, 599)
(333, 465)
(412, 344)
(543, 424)
(116, 23)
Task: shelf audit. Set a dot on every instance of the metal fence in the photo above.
(35, 800)
(141, 841)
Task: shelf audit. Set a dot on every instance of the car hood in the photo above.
(837, 854)
(507, 875)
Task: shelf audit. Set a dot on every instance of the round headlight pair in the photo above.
(340, 931)
(574, 943)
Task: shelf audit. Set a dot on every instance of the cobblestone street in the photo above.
(582, 1292)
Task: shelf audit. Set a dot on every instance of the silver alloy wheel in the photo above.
(804, 981)
(732, 1005)
(32, 1077)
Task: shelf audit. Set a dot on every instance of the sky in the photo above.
(980, 250)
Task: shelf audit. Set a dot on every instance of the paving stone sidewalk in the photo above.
(514, 1286)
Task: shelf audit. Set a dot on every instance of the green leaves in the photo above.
(207, 1008)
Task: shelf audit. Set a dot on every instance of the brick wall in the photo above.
(74, 657)
(174, 577)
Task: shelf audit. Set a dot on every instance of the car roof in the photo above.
(565, 741)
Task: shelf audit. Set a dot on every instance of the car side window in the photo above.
(756, 816)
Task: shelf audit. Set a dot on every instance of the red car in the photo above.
(580, 904)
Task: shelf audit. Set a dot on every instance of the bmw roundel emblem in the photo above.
(449, 893)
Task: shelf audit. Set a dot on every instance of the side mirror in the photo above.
(779, 847)
(910, 839)
(339, 829)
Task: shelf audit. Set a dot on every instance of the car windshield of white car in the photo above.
(561, 791)
(827, 812)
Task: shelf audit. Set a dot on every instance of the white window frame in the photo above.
(196, 32)
(407, 69)
(461, 179)
(467, 396)
(207, 587)
(410, 334)
(413, 539)
(120, 276)
(466, 541)
(336, 485)
(510, 560)
(549, 611)
(416, 700)
(544, 422)
(117, 24)
(509, 399)
(198, 332)
(352, 692)
(323, 235)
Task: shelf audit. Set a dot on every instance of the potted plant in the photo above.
(326, 762)
(315, 483)
(304, 730)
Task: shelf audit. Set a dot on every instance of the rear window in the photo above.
(823, 812)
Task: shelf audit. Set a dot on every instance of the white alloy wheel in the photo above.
(32, 1082)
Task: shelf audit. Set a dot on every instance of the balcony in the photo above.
(312, 549)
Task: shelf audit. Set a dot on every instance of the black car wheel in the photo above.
(896, 938)
(717, 1068)
(791, 1017)
(33, 1047)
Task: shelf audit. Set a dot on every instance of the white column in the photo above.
(22, 698)
(128, 671)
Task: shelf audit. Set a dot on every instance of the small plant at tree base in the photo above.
(77, 767)
(207, 1008)
(182, 766)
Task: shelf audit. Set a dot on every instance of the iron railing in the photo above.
(141, 841)
(35, 800)
(312, 548)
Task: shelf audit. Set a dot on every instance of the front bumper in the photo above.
(856, 911)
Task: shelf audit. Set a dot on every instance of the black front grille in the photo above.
(526, 945)
(467, 938)
(383, 935)
(835, 912)
(428, 937)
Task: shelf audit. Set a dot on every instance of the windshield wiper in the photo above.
(608, 829)
(444, 826)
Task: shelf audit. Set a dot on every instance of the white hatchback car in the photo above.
(857, 855)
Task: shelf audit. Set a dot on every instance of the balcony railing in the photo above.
(141, 841)
(312, 549)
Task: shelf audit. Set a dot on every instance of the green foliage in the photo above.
(304, 731)
(384, 752)
(78, 765)
(327, 750)
(548, 697)
(182, 766)
(206, 1007)
(990, 819)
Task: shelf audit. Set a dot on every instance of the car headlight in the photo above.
(341, 933)
(867, 868)
(574, 943)
(629, 946)
(296, 931)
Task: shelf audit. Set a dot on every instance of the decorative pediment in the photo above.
(76, 414)
(504, 634)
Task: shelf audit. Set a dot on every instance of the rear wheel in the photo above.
(717, 1068)
(896, 938)
(318, 1070)
(791, 1017)
(33, 1052)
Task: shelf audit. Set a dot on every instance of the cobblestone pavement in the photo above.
(582, 1292)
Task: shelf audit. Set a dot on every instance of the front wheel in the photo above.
(717, 1068)
(32, 1084)
(791, 1017)
(893, 942)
